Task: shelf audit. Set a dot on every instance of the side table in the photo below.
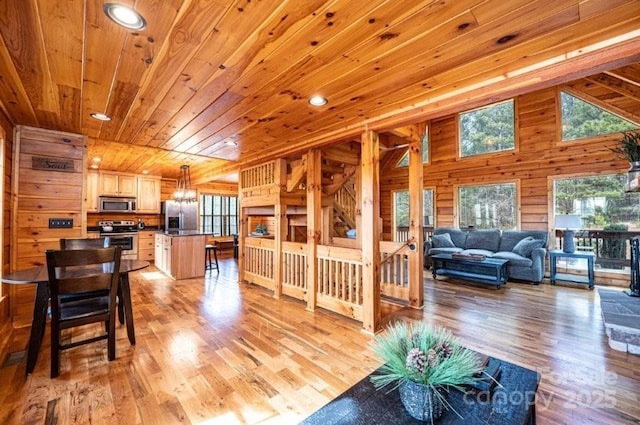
(555, 254)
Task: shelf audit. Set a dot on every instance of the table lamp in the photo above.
(568, 222)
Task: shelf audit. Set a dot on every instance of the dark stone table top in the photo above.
(511, 403)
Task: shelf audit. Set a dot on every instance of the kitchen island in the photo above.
(180, 253)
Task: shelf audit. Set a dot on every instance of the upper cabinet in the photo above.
(92, 191)
(117, 184)
(148, 195)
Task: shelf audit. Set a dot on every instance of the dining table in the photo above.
(40, 277)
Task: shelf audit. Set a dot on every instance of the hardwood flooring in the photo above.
(216, 352)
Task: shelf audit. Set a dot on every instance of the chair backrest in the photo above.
(82, 271)
(85, 243)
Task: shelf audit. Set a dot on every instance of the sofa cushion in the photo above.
(526, 246)
(514, 259)
(510, 238)
(442, 241)
(457, 236)
(488, 239)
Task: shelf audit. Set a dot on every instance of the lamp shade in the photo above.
(568, 221)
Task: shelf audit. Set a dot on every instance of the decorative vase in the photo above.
(421, 401)
(633, 173)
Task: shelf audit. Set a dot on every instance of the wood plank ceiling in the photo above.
(219, 84)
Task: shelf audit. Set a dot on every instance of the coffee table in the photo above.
(492, 271)
(511, 403)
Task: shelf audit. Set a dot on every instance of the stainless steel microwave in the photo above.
(114, 204)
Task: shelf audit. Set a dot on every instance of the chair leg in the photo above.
(215, 257)
(55, 350)
(111, 340)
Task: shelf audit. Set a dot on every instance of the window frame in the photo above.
(518, 203)
(226, 227)
(516, 143)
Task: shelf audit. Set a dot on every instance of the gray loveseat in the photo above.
(525, 249)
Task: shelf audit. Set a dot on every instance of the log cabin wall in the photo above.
(6, 135)
(539, 156)
(39, 194)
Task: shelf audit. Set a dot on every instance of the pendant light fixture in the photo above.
(184, 192)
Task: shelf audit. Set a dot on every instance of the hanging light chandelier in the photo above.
(184, 192)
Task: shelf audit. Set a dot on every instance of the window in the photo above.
(581, 119)
(404, 161)
(488, 129)
(488, 207)
(401, 212)
(600, 201)
(219, 215)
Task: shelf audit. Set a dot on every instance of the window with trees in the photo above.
(404, 161)
(581, 119)
(491, 206)
(219, 214)
(401, 209)
(487, 129)
(600, 201)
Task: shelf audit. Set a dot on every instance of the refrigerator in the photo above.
(180, 215)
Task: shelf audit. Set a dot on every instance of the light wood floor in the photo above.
(216, 352)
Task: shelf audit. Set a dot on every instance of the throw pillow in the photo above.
(526, 246)
(442, 241)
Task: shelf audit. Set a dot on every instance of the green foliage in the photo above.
(629, 146)
(401, 206)
(581, 119)
(488, 129)
(488, 206)
(446, 362)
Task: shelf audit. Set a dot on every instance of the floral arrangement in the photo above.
(424, 355)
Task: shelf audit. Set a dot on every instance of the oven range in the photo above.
(123, 233)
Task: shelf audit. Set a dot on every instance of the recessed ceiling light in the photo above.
(317, 101)
(124, 16)
(97, 159)
(94, 166)
(145, 171)
(230, 143)
(100, 116)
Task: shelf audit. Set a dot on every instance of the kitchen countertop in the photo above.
(184, 233)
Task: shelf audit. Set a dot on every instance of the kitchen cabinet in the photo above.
(146, 245)
(115, 184)
(180, 256)
(92, 191)
(148, 195)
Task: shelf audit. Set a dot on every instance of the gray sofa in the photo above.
(526, 250)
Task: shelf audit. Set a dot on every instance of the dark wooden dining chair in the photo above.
(81, 272)
(85, 243)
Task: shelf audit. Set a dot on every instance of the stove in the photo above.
(118, 226)
(123, 233)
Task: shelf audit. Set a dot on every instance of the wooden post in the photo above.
(314, 216)
(416, 206)
(370, 231)
(280, 219)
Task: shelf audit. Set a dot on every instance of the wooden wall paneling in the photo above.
(370, 202)
(6, 139)
(39, 195)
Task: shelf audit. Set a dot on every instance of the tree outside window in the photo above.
(488, 129)
(219, 215)
(488, 206)
(404, 161)
(401, 208)
(581, 119)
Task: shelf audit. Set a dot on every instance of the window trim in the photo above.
(516, 131)
(221, 195)
(456, 198)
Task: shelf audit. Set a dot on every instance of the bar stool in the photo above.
(208, 264)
